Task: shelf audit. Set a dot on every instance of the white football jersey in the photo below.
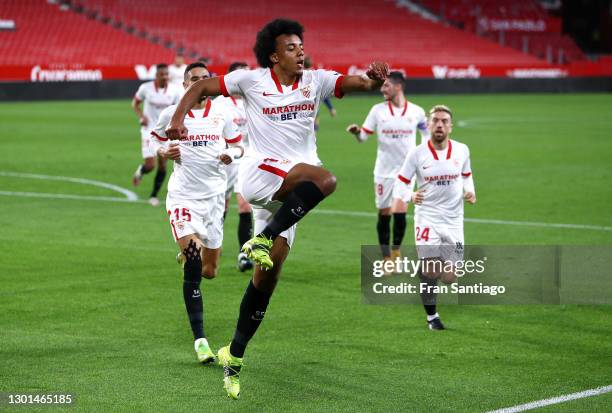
(177, 74)
(236, 108)
(199, 174)
(280, 119)
(155, 100)
(443, 174)
(396, 131)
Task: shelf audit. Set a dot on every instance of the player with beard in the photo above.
(444, 179)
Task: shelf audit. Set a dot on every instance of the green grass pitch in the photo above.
(91, 299)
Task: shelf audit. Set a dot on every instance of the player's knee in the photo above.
(327, 183)
(209, 270)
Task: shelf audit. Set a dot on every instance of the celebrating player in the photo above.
(235, 105)
(196, 194)
(281, 102)
(155, 95)
(444, 179)
(395, 122)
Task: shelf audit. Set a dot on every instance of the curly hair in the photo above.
(265, 44)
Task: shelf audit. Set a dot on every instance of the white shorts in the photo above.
(259, 180)
(203, 217)
(145, 143)
(383, 191)
(232, 179)
(438, 241)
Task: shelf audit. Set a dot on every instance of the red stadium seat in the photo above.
(341, 32)
(465, 13)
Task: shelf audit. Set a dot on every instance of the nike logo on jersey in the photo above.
(426, 166)
(268, 94)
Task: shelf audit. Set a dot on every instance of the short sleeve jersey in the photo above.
(396, 131)
(441, 174)
(281, 119)
(199, 174)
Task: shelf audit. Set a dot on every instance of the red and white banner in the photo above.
(71, 73)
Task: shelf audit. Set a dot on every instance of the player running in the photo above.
(444, 179)
(235, 106)
(281, 102)
(155, 96)
(395, 122)
(196, 194)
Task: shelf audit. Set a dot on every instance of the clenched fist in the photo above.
(176, 131)
(378, 71)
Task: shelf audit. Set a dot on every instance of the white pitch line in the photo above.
(128, 194)
(554, 400)
(476, 220)
(317, 211)
(69, 196)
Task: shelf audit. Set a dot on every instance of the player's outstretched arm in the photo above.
(371, 80)
(202, 88)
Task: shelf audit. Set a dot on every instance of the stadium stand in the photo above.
(224, 30)
(549, 44)
(46, 33)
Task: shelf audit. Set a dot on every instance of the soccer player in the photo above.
(444, 179)
(281, 101)
(196, 194)
(235, 106)
(176, 71)
(395, 122)
(154, 96)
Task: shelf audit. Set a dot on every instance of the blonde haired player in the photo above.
(444, 179)
(196, 194)
(395, 123)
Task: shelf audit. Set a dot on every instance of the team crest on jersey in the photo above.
(306, 91)
(215, 122)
